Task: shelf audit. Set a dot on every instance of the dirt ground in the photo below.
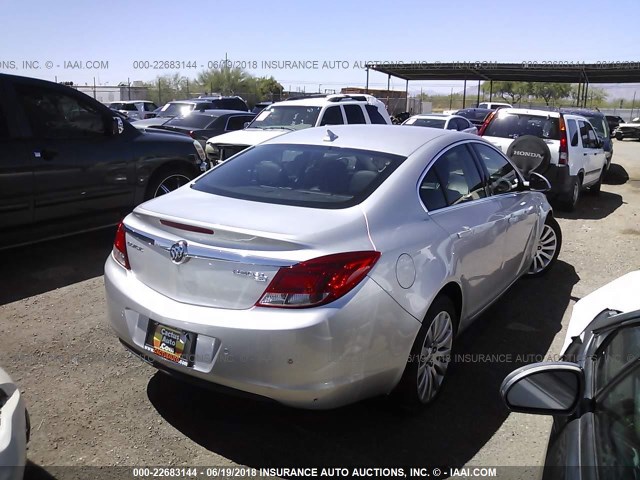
(94, 404)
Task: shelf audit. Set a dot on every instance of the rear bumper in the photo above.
(317, 358)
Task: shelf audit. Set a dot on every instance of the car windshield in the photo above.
(293, 117)
(116, 105)
(192, 120)
(176, 109)
(600, 125)
(426, 122)
(514, 125)
(314, 176)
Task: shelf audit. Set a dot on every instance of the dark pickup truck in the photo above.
(70, 164)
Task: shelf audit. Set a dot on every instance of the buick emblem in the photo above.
(178, 252)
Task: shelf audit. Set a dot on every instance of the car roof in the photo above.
(529, 111)
(431, 115)
(383, 138)
(217, 112)
(582, 111)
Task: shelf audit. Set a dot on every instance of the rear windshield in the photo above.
(514, 125)
(426, 122)
(192, 121)
(287, 116)
(301, 175)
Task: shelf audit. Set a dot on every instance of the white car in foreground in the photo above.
(14, 429)
(447, 122)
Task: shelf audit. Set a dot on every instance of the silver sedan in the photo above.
(328, 265)
(438, 120)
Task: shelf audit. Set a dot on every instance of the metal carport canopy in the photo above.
(562, 72)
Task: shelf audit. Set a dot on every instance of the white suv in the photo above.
(283, 117)
(563, 147)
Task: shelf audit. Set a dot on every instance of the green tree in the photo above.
(267, 87)
(550, 91)
(170, 87)
(512, 92)
(227, 81)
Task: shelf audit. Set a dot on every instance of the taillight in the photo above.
(192, 134)
(486, 122)
(563, 158)
(318, 281)
(120, 247)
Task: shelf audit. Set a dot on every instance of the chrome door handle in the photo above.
(514, 218)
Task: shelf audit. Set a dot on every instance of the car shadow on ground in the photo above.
(517, 330)
(57, 263)
(616, 175)
(592, 207)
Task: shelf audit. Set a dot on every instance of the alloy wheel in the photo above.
(435, 356)
(545, 250)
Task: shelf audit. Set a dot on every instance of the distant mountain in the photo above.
(614, 90)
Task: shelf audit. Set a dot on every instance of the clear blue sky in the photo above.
(121, 32)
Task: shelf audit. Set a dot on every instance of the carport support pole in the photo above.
(464, 94)
(579, 92)
(366, 88)
(586, 92)
(407, 96)
(490, 90)
(478, 99)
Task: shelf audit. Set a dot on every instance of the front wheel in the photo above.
(430, 356)
(547, 248)
(166, 181)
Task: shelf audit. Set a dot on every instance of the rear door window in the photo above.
(332, 116)
(457, 176)
(354, 114)
(587, 135)
(149, 107)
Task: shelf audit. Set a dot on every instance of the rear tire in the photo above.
(166, 180)
(547, 248)
(569, 204)
(430, 356)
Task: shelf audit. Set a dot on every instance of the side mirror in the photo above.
(552, 388)
(117, 126)
(537, 183)
(246, 124)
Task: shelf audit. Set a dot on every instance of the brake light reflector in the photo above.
(486, 122)
(318, 281)
(120, 247)
(563, 158)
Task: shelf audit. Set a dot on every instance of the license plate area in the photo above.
(170, 343)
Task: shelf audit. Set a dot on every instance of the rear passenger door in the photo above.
(454, 193)
(16, 168)
(518, 207)
(592, 152)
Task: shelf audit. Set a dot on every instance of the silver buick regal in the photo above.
(328, 265)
